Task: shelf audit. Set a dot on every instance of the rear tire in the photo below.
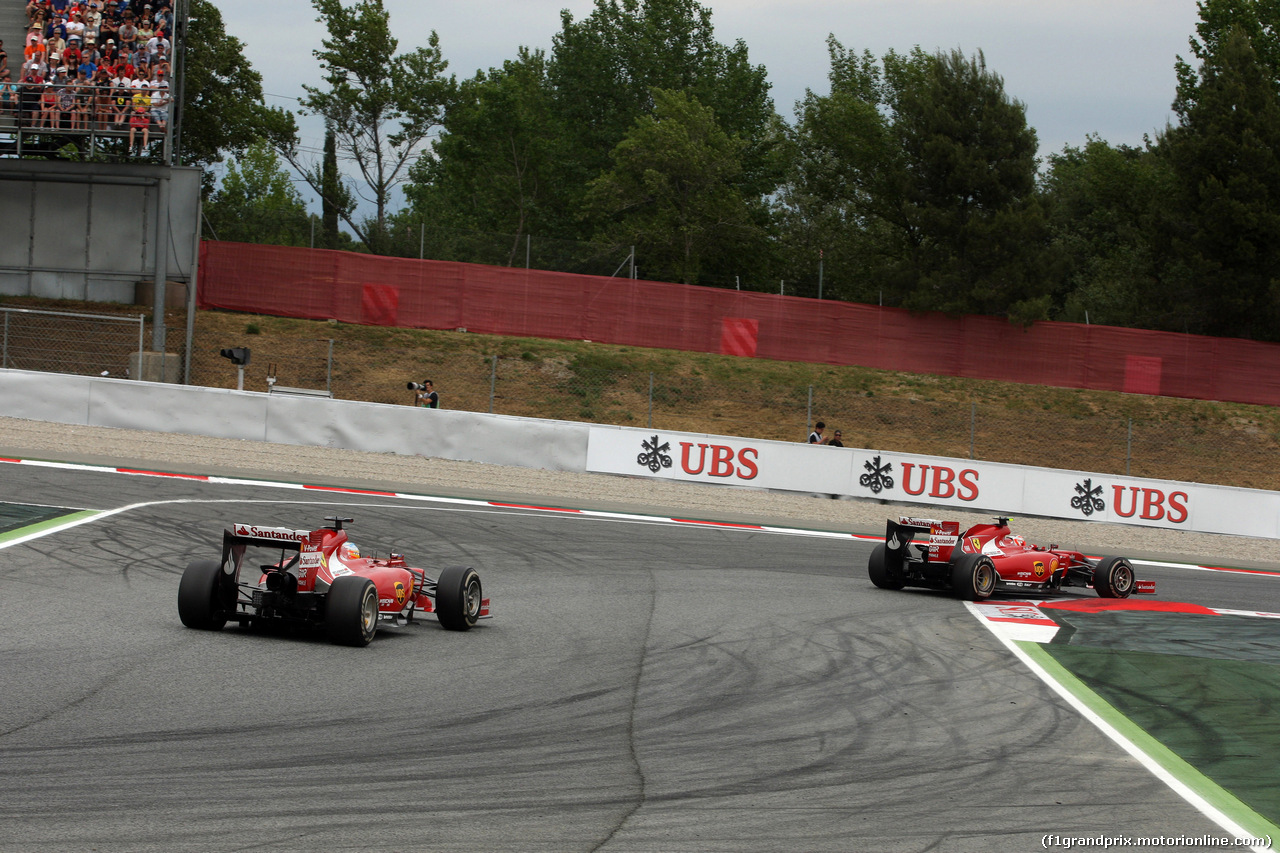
(351, 611)
(1113, 578)
(458, 598)
(205, 597)
(878, 570)
(973, 577)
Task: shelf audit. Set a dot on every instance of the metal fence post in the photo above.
(973, 426)
(493, 382)
(328, 370)
(142, 325)
(808, 415)
(650, 399)
(1128, 449)
(4, 351)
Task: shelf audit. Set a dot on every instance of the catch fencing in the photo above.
(380, 291)
(1226, 450)
(64, 342)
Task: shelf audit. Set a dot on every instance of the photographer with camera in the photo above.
(425, 394)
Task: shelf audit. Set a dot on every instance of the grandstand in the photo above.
(96, 75)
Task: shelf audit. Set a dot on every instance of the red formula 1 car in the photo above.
(988, 558)
(320, 579)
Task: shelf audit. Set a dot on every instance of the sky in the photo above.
(1082, 67)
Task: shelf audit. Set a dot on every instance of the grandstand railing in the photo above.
(99, 129)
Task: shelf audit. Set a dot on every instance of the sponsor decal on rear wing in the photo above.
(279, 537)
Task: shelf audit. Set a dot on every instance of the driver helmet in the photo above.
(349, 551)
(1013, 540)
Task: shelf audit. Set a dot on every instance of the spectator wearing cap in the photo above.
(48, 107)
(75, 27)
(158, 44)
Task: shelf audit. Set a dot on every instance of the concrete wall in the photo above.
(694, 458)
(88, 231)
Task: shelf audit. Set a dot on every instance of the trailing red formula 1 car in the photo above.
(320, 579)
(988, 558)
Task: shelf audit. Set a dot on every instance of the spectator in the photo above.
(816, 437)
(121, 99)
(4, 59)
(160, 106)
(140, 117)
(128, 33)
(48, 107)
(102, 100)
(835, 441)
(84, 103)
(75, 27)
(66, 101)
(8, 95)
(156, 46)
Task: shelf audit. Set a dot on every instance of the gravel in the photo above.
(189, 454)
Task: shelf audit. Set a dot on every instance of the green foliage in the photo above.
(919, 173)
(1225, 154)
(222, 109)
(381, 106)
(1107, 206)
(673, 190)
(257, 202)
(495, 165)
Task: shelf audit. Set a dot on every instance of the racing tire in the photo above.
(459, 597)
(878, 570)
(1113, 578)
(973, 577)
(205, 598)
(351, 611)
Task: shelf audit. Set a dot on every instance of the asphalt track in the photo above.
(643, 686)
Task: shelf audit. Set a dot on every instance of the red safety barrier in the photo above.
(353, 288)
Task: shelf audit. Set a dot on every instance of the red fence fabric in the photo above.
(321, 284)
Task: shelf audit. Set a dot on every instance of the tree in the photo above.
(1107, 207)
(934, 167)
(222, 110)
(257, 202)
(1225, 154)
(382, 106)
(496, 164)
(605, 68)
(672, 190)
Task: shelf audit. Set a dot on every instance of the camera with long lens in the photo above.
(416, 386)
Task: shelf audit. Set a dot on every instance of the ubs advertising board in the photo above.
(936, 481)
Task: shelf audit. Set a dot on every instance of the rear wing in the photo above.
(242, 536)
(943, 537)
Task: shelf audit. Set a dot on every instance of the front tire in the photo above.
(351, 611)
(458, 598)
(205, 598)
(878, 570)
(1113, 578)
(973, 577)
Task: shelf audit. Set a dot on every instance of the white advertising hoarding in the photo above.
(935, 481)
